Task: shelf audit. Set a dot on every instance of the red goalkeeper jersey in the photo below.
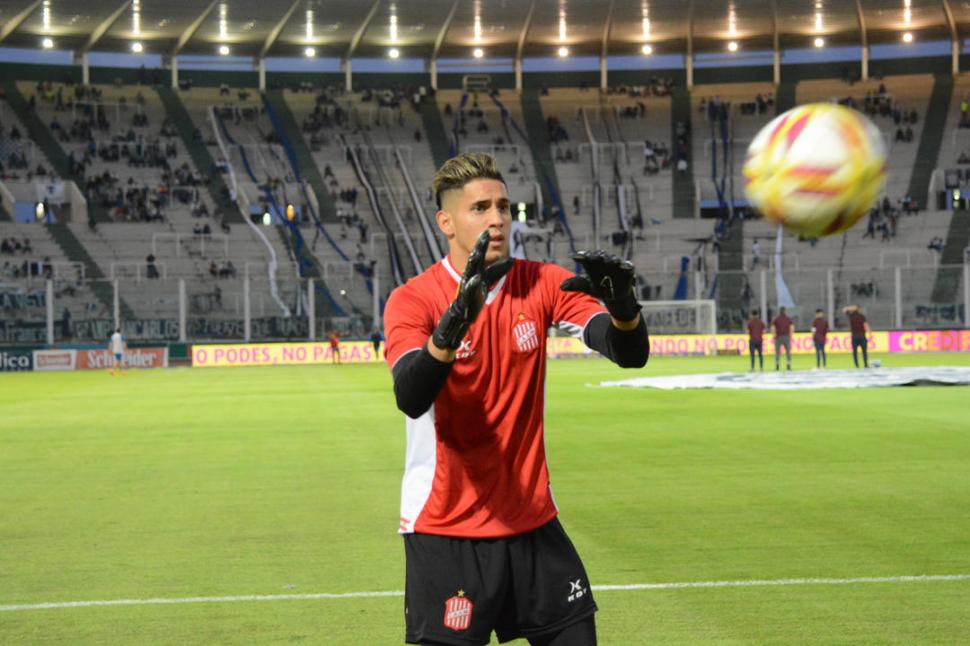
(475, 463)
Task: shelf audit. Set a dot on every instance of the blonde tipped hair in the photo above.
(465, 168)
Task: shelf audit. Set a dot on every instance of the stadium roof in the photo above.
(452, 28)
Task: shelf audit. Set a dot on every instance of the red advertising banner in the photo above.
(131, 358)
(49, 360)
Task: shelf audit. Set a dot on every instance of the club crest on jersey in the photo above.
(525, 333)
(458, 612)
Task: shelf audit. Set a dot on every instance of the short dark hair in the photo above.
(462, 169)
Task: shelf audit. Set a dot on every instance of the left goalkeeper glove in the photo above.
(608, 278)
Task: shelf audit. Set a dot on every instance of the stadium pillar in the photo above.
(966, 296)
(830, 293)
(777, 67)
(85, 69)
(865, 63)
(603, 78)
(377, 297)
(348, 76)
(698, 289)
(261, 66)
(955, 56)
(175, 72)
(518, 74)
(433, 69)
(898, 296)
(247, 320)
(312, 307)
(50, 312)
(764, 292)
(183, 336)
(689, 65)
(116, 306)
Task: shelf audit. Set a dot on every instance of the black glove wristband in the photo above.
(623, 309)
(452, 328)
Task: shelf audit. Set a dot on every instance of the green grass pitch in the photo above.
(268, 481)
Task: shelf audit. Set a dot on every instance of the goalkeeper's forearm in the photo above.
(418, 378)
(626, 348)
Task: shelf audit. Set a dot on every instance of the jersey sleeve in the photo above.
(571, 311)
(408, 322)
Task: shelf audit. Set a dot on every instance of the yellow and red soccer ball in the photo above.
(816, 169)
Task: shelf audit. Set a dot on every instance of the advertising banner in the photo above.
(280, 354)
(101, 359)
(16, 360)
(801, 343)
(48, 360)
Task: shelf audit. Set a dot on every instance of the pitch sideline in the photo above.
(396, 593)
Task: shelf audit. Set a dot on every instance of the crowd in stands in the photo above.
(223, 270)
(882, 104)
(11, 246)
(28, 268)
(716, 108)
(656, 156)
(884, 217)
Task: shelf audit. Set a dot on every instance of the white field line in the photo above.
(396, 593)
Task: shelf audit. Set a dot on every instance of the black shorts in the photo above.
(459, 590)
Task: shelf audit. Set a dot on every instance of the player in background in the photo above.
(376, 338)
(117, 347)
(781, 329)
(334, 338)
(820, 329)
(756, 333)
(466, 342)
(860, 330)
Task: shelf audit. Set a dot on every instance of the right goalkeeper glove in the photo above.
(472, 292)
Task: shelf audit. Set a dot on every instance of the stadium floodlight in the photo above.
(310, 52)
(138, 48)
(267, 219)
(647, 50)
(47, 43)
(733, 46)
(478, 52)
(908, 37)
(394, 52)
(563, 52)
(819, 42)
(223, 50)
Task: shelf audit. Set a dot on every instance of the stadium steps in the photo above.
(683, 183)
(731, 277)
(304, 157)
(951, 262)
(218, 190)
(928, 153)
(784, 97)
(538, 133)
(5, 214)
(434, 128)
(41, 135)
(75, 251)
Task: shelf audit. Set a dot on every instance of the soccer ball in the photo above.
(816, 169)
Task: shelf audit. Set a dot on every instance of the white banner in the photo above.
(52, 191)
(48, 360)
(806, 379)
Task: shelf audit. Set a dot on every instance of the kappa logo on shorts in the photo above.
(458, 612)
(526, 335)
(576, 590)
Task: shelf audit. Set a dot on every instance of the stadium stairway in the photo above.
(538, 133)
(951, 261)
(928, 153)
(197, 150)
(75, 251)
(307, 169)
(731, 277)
(41, 135)
(434, 128)
(784, 97)
(683, 182)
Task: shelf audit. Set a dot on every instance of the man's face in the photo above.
(479, 205)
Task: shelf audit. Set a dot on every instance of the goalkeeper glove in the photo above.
(608, 278)
(473, 289)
